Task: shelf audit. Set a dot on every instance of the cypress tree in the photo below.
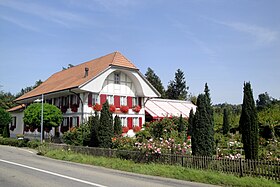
(225, 122)
(248, 124)
(94, 121)
(117, 126)
(191, 120)
(105, 128)
(202, 126)
(210, 120)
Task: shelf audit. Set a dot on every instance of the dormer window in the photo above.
(117, 78)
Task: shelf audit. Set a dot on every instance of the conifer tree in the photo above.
(94, 122)
(105, 128)
(249, 124)
(117, 126)
(181, 125)
(155, 81)
(202, 127)
(191, 120)
(177, 89)
(225, 122)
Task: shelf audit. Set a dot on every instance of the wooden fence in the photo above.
(240, 167)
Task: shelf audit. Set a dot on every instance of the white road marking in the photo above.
(52, 173)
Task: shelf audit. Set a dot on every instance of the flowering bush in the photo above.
(164, 146)
(136, 108)
(97, 107)
(124, 109)
(112, 108)
(136, 129)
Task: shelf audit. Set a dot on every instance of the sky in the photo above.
(221, 42)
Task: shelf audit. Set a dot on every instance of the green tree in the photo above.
(5, 120)
(52, 116)
(249, 124)
(29, 88)
(191, 121)
(270, 117)
(117, 126)
(105, 128)
(94, 123)
(264, 101)
(177, 89)
(6, 100)
(155, 81)
(203, 126)
(225, 122)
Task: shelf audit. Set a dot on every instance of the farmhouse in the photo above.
(80, 90)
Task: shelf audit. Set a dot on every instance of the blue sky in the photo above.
(221, 42)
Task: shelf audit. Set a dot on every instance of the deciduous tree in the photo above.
(5, 119)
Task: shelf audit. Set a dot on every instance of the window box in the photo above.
(124, 109)
(112, 108)
(125, 129)
(74, 107)
(136, 108)
(97, 107)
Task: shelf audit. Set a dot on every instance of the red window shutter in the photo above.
(117, 101)
(129, 102)
(140, 122)
(140, 101)
(129, 122)
(89, 99)
(103, 99)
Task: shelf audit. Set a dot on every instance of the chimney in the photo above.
(86, 72)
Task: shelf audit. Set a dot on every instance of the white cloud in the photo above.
(19, 23)
(262, 35)
(62, 17)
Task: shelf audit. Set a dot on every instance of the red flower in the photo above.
(124, 109)
(136, 108)
(97, 107)
(125, 129)
(136, 129)
(112, 108)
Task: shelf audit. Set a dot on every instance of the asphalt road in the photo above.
(23, 168)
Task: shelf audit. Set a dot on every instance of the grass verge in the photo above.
(175, 172)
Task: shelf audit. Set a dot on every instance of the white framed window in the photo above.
(74, 99)
(65, 101)
(95, 99)
(134, 101)
(123, 100)
(135, 121)
(75, 121)
(110, 99)
(117, 78)
(65, 122)
(124, 121)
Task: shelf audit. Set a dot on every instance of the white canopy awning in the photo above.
(160, 108)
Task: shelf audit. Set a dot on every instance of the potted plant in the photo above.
(124, 109)
(74, 107)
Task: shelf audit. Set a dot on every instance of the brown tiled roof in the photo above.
(75, 76)
(16, 108)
